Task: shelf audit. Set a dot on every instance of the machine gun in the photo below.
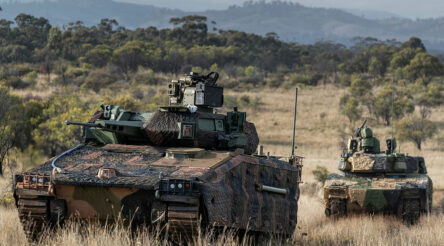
(358, 130)
(209, 79)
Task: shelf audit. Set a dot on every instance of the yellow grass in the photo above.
(319, 132)
(313, 229)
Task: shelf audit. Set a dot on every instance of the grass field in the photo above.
(320, 131)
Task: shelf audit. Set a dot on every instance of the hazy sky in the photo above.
(405, 8)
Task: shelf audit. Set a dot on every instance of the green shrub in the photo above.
(14, 82)
(320, 173)
(99, 78)
(242, 101)
(32, 75)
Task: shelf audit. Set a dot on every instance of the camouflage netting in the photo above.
(133, 165)
(252, 138)
(162, 130)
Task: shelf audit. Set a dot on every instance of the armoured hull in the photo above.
(146, 185)
(387, 194)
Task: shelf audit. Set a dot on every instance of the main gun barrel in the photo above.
(67, 122)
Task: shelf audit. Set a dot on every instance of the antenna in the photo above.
(294, 121)
(391, 121)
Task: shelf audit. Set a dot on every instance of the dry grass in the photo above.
(320, 131)
(313, 229)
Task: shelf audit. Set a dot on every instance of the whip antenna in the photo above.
(391, 121)
(294, 121)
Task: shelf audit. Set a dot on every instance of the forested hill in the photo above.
(291, 22)
(90, 12)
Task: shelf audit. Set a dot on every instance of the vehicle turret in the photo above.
(364, 155)
(190, 120)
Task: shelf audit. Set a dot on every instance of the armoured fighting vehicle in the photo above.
(374, 181)
(182, 166)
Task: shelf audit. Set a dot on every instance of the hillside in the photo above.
(91, 12)
(292, 22)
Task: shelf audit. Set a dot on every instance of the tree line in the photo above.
(393, 82)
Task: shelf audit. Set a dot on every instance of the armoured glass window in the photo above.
(186, 130)
(219, 125)
(206, 125)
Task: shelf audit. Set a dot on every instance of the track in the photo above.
(183, 221)
(33, 214)
(337, 207)
(411, 211)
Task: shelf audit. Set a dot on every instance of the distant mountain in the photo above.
(372, 14)
(90, 12)
(292, 22)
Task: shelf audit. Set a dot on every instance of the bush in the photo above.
(320, 173)
(306, 79)
(146, 77)
(14, 82)
(242, 102)
(32, 75)
(98, 79)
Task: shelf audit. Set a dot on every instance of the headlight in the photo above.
(176, 186)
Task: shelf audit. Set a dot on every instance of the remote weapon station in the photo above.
(182, 166)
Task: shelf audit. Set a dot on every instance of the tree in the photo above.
(352, 110)
(414, 43)
(9, 123)
(31, 31)
(376, 67)
(5, 31)
(55, 40)
(424, 66)
(390, 103)
(136, 53)
(99, 56)
(192, 30)
(401, 59)
(14, 53)
(415, 129)
(52, 135)
(361, 89)
(427, 97)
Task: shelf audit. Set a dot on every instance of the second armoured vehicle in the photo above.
(374, 181)
(183, 166)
